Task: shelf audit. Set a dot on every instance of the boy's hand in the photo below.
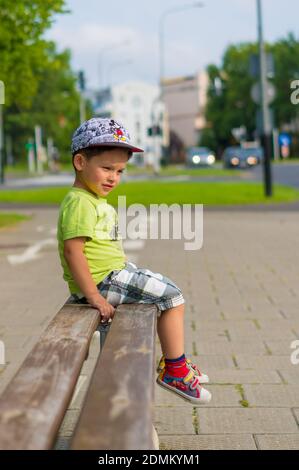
(100, 303)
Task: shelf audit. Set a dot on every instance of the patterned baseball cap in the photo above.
(101, 132)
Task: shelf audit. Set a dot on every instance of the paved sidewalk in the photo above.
(241, 292)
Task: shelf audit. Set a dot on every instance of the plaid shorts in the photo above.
(137, 285)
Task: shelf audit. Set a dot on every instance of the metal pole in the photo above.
(1, 146)
(162, 42)
(266, 123)
(82, 108)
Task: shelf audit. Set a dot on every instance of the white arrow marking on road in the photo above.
(133, 244)
(31, 253)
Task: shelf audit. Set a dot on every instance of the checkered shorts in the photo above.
(137, 285)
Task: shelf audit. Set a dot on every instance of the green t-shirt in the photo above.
(85, 215)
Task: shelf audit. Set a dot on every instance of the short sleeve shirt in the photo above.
(84, 215)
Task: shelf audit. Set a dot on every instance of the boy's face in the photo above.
(101, 173)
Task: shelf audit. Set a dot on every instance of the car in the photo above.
(242, 157)
(200, 156)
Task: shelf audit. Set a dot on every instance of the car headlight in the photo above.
(235, 161)
(196, 159)
(251, 160)
(211, 159)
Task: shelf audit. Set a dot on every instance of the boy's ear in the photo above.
(79, 161)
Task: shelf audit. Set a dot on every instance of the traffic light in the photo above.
(154, 130)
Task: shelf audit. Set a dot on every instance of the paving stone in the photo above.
(291, 375)
(208, 442)
(272, 395)
(207, 363)
(296, 414)
(222, 396)
(220, 346)
(246, 420)
(263, 334)
(263, 362)
(280, 348)
(173, 420)
(278, 441)
(241, 376)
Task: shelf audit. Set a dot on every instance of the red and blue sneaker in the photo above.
(187, 387)
(203, 378)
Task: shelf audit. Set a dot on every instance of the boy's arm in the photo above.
(77, 262)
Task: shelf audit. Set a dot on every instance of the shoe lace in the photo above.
(193, 366)
(192, 380)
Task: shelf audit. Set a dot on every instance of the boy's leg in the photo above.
(170, 328)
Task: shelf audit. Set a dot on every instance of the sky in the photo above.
(116, 41)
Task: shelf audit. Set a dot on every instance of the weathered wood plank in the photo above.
(117, 412)
(34, 403)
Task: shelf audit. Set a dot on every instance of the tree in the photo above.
(55, 104)
(229, 97)
(21, 49)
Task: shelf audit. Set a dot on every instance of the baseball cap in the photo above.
(102, 132)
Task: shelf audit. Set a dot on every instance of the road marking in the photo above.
(30, 253)
(133, 245)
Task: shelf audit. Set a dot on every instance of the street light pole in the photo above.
(161, 34)
(161, 41)
(1, 146)
(266, 121)
(100, 57)
(115, 65)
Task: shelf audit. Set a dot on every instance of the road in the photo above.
(287, 174)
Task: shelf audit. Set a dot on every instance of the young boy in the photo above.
(93, 260)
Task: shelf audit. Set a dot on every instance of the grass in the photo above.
(21, 169)
(146, 193)
(172, 170)
(7, 219)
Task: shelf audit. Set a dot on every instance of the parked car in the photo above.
(240, 157)
(200, 156)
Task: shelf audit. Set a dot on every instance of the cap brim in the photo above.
(118, 144)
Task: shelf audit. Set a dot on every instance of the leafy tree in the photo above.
(22, 24)
(40, 84)
(229, 97)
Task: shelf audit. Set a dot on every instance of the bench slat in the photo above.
(33, 405)
(117, 412)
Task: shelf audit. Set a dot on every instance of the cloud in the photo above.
(96, 48)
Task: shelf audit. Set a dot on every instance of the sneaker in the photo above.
(203, 378)
(187, 387)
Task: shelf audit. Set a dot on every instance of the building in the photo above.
(138, 106)
(185, 99)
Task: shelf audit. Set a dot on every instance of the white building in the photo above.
(137, 105)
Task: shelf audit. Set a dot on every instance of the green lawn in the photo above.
(11, 219)
(167, 192)
(21, 170)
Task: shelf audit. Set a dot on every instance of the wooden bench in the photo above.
(117, 412)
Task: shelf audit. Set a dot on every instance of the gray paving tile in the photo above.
(272, 395)
(174, 420)
(278, 441)
(246, 420)
(208, 442)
